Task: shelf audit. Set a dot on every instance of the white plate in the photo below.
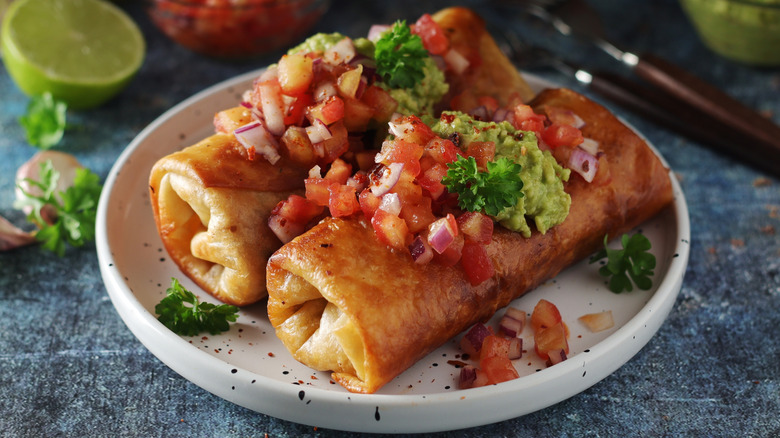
(249, 366)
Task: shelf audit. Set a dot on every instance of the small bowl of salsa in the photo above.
(235, 28)
(746, 31)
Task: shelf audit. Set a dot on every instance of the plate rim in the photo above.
(402, 412)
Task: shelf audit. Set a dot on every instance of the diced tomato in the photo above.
(295, 73)
(339, 171)
(342, 200)
(412, 129)
(430, 180)
(402, 151)
(495, 346)
(557, 135)
(298, 146)
(498, 369)
(433, 37)
(296, 111)
(369, 202)
(365, 160)
(297, 209)
(527, 120)
(476, 227)
(228, 120)
(383, 104)
(329, 111)
(482, 151)
(476, 263)
(335, 146)
(418, 215)
(390, 229)
(407, 188)
(442, 150)
(551, 339)
(357, 115)
(317, 190)
(544, 315)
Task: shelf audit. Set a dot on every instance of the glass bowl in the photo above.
(747, 31)
(235, 28)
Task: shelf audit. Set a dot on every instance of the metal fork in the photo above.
(761, 137)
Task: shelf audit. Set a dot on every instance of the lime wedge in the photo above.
(81, 51)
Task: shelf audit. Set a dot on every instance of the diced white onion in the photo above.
(315, 172)
(318, 132)
(324, 90)
(273, 109)
(340, 53)
(284, 229)
(590, 146)
(376, 31)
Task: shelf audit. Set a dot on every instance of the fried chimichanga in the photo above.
(341, 300)
(211, 206)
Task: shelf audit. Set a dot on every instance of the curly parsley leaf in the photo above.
(632, 263)
(183, 313)
(74, 210)
(400, 56)
(44, 121)
(490, 191)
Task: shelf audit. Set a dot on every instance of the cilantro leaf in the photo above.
(632, 263)
(44, 121)
(74, 209)
(183, 313)
(399, 56)
(491, 191)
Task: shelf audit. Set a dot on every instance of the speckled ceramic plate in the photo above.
(249, 366)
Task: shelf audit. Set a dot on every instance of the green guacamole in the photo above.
(544, 201)
(748, 32)
(419, 99)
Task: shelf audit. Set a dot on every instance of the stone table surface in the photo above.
(70, 367)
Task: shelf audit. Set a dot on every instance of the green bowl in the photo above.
(746, 31)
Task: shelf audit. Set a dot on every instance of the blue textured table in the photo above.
(70, 367)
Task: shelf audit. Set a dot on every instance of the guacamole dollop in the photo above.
(544, 200)
(419, 99)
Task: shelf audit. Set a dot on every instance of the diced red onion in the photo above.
(456, 61)
(441, 64)
(510, 326)
(387, 178)
(473, 339)
(284, 229)
(359, 181)
(515, 348)
(516, 314)
(273, 108)
(318, 132)
(590, 146)
(246, 104)
(468, 375)
(376, 31)
(556, 356)
(583, 163)
(480, 113)
(12, 237)
(421, 252)
(391, 203)
(361, 87)
(324, 90)
(578, 122)
(340, 53)
(501, 115)
(254, 135)
(441, 235)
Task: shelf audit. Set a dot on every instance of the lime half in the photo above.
(81, 51)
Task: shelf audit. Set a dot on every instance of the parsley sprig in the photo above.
(490, 191)
(400, 56)
(183, 313)
(633, 262)
(44, 121)
(75, 209)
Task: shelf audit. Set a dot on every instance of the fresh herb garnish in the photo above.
(633, 262)
(44, 121)
(400, 56)
(74, 210)
(491, 191)
(183, 313)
